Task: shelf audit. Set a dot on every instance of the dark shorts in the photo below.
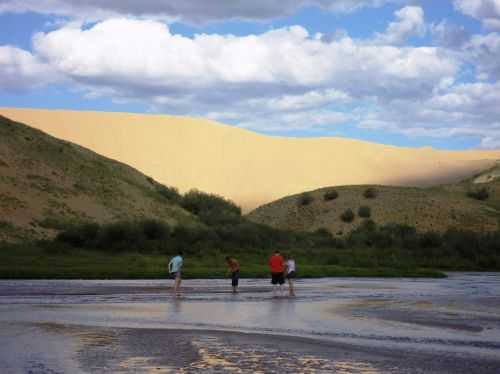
(291, 275)
(235, 277)
(277, 278)
(175, 275)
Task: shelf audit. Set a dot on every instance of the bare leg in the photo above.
(291, 288)
(281, 290)
(177, 286)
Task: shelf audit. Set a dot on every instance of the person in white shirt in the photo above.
(174, 268)
(290, 273)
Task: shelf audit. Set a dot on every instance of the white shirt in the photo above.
(290, 266)
(175, 264)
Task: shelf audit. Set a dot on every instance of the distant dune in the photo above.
(249, 168)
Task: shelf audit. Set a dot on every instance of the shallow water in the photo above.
(348, 325)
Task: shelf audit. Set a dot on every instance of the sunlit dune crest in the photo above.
(247, 167)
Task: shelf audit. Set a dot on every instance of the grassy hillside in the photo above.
(47, 184)
(427, 209)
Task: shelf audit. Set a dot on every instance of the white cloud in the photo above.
(147, 59)
(484, 52)
(449, 35)
(409, 22)
(195, 11)
(311, 99)
(467, 109)
(21, 71)
(487, 11)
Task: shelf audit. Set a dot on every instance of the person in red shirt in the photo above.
(277, 267)
(234, 268)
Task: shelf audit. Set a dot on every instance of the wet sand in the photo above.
(334, 326)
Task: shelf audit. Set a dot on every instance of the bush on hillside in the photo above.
(79, 236)
(305, 199)
(169, 193)
(155, 230)
(370, 193)
(330, 195)
(347, 216)
(212, 209)
(479, 194)
(364, 212)
(430, 240)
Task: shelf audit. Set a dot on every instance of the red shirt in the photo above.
(277, 264)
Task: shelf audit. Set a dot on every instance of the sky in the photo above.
(403, 72)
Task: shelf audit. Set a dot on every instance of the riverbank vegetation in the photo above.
(141, 248)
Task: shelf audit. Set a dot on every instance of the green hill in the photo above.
(427, 209)
(47, 184)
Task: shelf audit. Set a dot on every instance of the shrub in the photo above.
(370, 193)
(305, 199)
(79, 236)
(364, 212)
(330, 195)
(169, 193)
(347, 216)
(429, 240)
(479, 194)
(207, 205)
(155, 230)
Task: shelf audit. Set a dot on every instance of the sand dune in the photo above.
(249, 168)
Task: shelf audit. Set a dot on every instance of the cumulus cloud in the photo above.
(194, 11)
(483, 51)
(147, 57)
(466, 109)
(487, 11)
(283, 79)
(409, 22)
(21, 71)
(447, 35)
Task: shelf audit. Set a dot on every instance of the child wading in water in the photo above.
(234, 268)
(290, 274)
(174, 268)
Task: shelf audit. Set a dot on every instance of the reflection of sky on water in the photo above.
(462, 311)
(455, 316)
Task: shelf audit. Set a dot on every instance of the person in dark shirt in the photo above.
(234, 268)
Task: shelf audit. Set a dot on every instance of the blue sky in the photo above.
(404, 72)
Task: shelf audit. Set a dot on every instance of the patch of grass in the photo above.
(30, 262)
(5, 225)
(12, 202)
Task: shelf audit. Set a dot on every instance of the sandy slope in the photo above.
(249, 168)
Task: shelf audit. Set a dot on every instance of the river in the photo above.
(334, 325)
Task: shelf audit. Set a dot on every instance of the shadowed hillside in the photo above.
(245, 167)
(47, 185)
(459, 205)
